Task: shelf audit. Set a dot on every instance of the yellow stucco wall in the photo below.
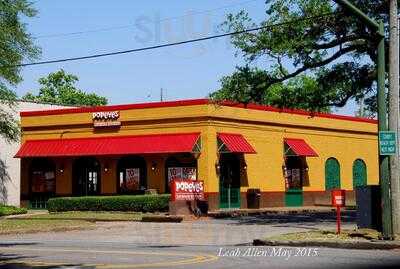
(265, 130)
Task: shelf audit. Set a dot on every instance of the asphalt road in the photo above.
(202, 244)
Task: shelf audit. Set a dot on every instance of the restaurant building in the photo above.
(293, 157)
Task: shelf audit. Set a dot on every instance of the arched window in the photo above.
(132, 176)
(359, 173)
(86, 176)
(180, 166)
(42, 176)
(332, 174)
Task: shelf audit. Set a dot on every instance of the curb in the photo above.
(330, 244)
(162, 219)
(258, 212)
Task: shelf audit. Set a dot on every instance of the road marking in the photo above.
(195, 258)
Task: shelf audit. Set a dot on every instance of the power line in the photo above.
(171, 44)
(130, 25)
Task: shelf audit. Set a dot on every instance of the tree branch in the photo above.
(306, 66)
(337, 42)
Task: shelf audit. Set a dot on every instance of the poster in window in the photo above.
(174, 173)
(182, 173)
(50, 181)
(132, 178)
(189, 173)
(38, 181)
(296, 181)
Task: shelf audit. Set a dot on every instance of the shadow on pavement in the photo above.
(308, 219)
(16, 261)
(16, 244)
(162, 246)
(38, 266)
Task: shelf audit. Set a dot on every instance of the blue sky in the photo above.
(188, 71)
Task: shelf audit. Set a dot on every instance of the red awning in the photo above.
(234, 143)
(300, 147)
(116, 145)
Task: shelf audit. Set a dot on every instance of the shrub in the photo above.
(6, 210)
(137, 203)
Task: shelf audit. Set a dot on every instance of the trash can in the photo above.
(253, 198)
(369, 211)
(203, 206)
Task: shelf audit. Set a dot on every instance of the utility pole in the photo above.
(161, 94)
(384, 175)
(394, 111)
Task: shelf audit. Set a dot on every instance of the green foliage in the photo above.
(246, 86)
(136, 203)
(59, 88)
(313, 63)
(6, 210)
(16, 44)
(9, 127)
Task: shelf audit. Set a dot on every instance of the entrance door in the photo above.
(86, 177)
(229, 181)
(295, 174)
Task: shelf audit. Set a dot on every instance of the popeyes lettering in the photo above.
(109, 115)
(190, 186)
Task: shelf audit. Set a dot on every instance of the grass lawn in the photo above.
(16, 226)
(6, 210)
(89, 216)
(347, 235)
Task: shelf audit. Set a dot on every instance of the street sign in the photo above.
(387, 143)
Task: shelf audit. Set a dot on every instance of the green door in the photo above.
(359, 173)
(294, 197)
(229, 184)
(295, 167)
(332, 174)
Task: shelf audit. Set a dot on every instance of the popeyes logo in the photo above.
(187, 190)
(106, 119)
(108, 115)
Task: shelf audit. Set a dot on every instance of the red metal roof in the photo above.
(116, 145)
(193, 102)
(300, 147)
(236, 143)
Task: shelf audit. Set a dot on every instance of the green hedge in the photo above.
(6, 210)
(137, 203)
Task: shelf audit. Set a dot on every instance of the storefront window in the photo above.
(182, 173)
(43, 176)
(131, 175)
(182, 166)
(295, 171)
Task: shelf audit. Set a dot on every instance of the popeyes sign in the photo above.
(187, 190)
(106, 119)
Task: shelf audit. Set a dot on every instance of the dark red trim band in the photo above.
(192, 102)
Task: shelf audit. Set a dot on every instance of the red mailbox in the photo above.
(338, 198)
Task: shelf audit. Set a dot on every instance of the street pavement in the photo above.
(210, 243)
